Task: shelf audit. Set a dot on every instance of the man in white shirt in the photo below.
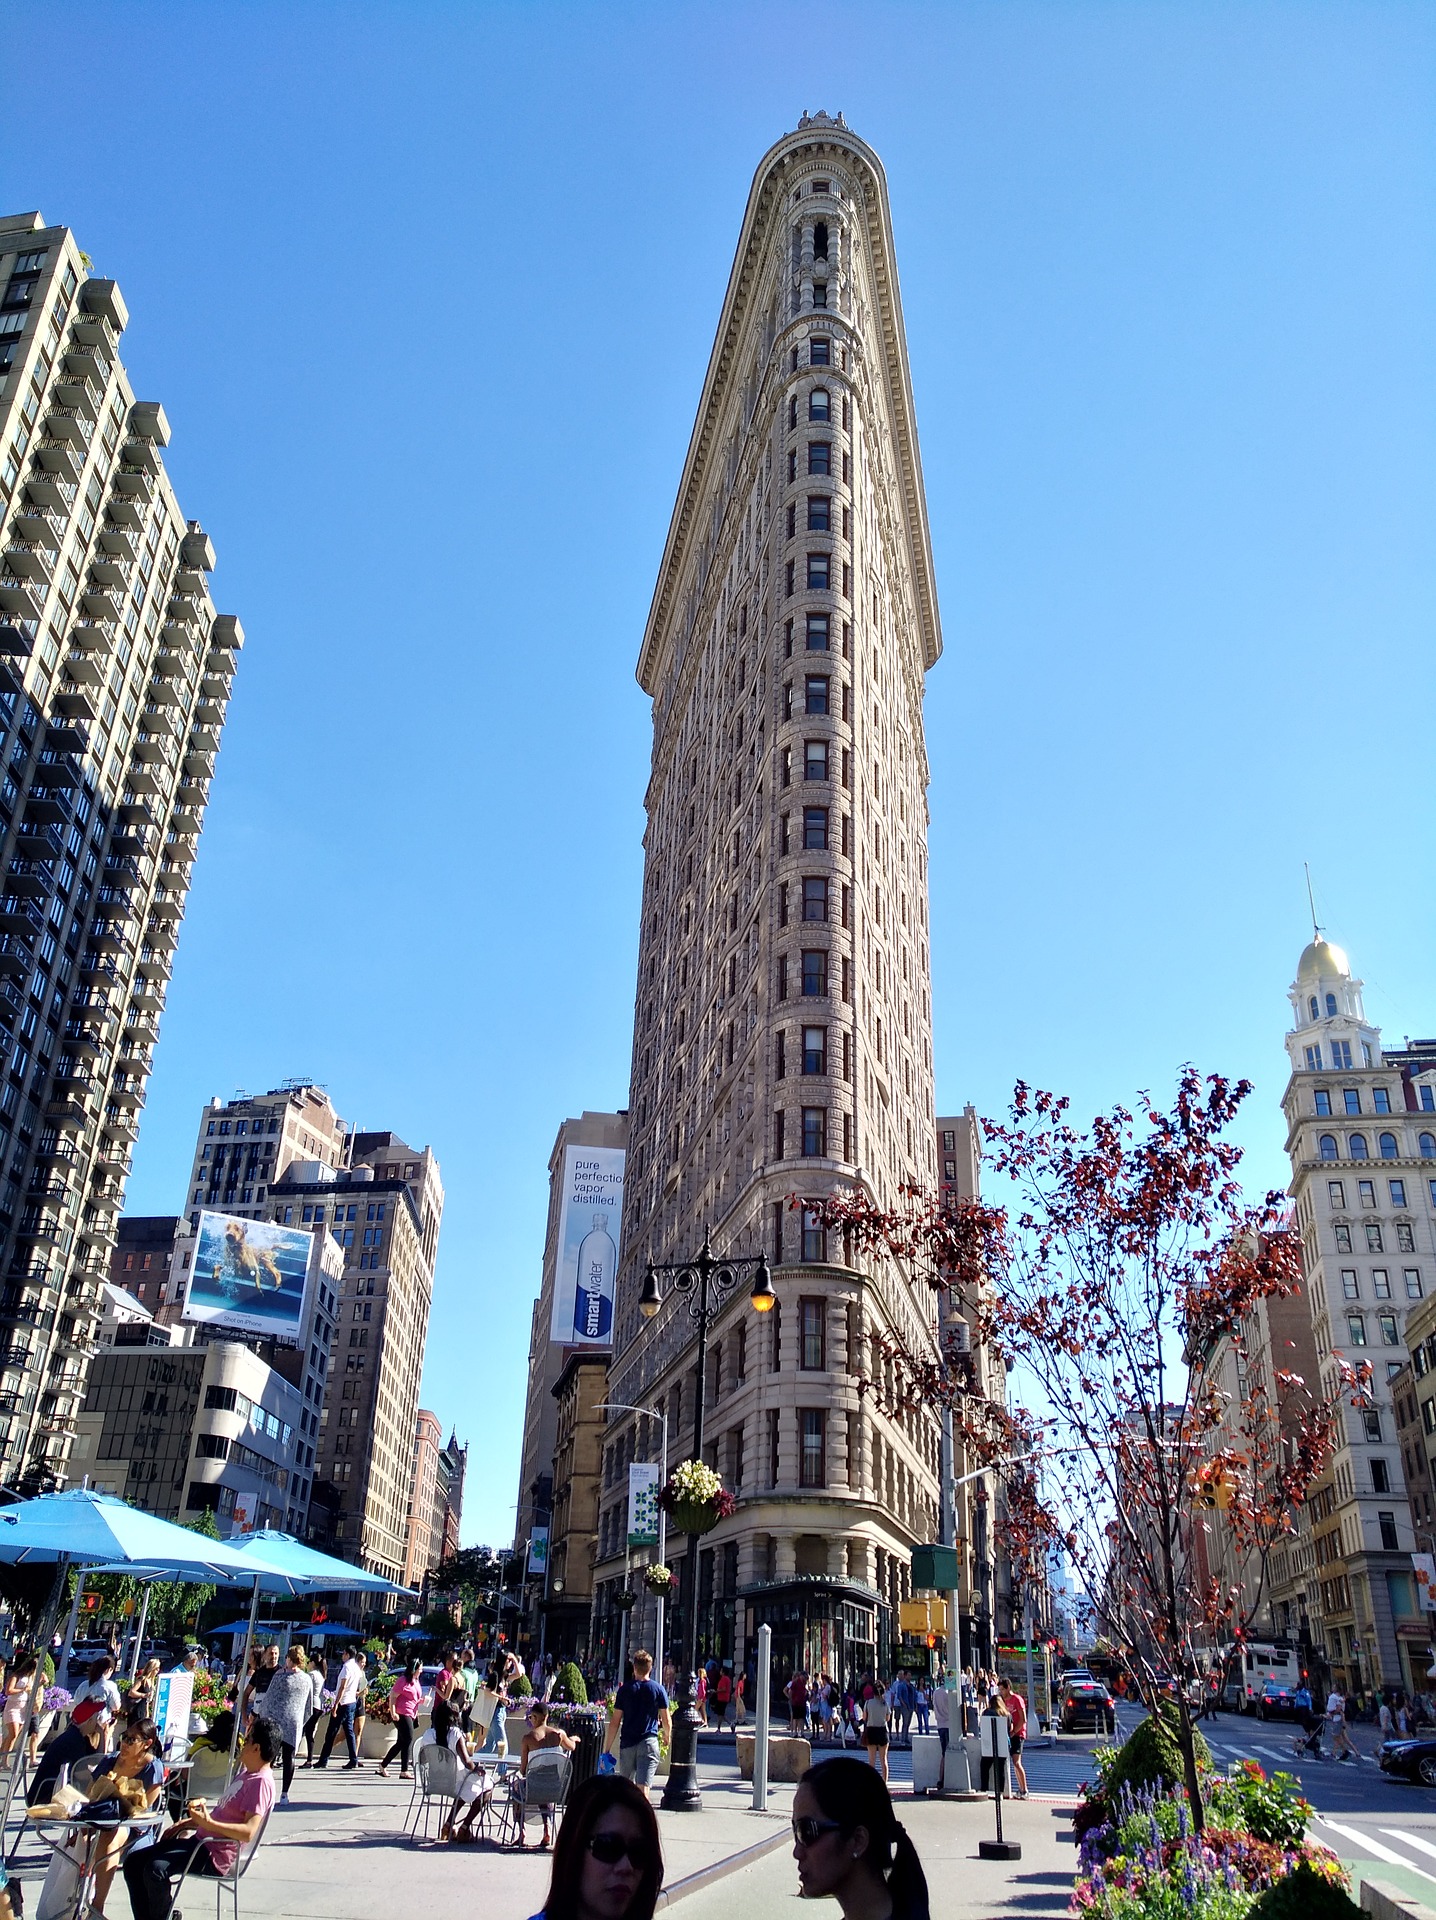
(1342, 1747)
(347, 1689)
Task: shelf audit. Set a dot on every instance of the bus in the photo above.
(1251, 1665)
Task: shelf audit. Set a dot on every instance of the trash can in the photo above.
(586, 1726)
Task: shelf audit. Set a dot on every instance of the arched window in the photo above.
(819, 405)
(1331, 1006)
(1356, 1147)
(1315, 1005)
(1328, 1146)
(1386, 1143)
(1428, 1146)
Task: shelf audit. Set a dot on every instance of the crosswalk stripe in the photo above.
(1272, 1753)
(1411, 1840)
(1376, 1847)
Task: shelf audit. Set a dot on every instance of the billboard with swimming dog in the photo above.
(250, 1275)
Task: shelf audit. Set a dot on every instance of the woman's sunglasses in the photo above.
(808, 1830)
(609, 1848)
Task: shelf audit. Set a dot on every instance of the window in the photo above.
(819, 513)
(780, 1145)
(1350, 1286)
(1381, 1283)
(782, 992)
(1343, 1237)
(1428, 1098)
(818, 571)
(1412, 1277)
(1371, 1421)
(1323, 1101)
(815, 1238)
(815, 829)
(820, 353)
(1405, 1237)
(780, 1055)
(1356, 1329)
(1351, 1099)
(819, 407)
(815, 898)
(772, 1438)
(1380, 1476)
(1341, 1053)
(1313, 1007)
(814, 1467)
(1381, 1099)
(1313, 1054)
(815, 1134)
(1336, 1194)
(816, 632)
(815, 693)
(1326, 1146)
(815, 973)
(1373, 1237)
(1398, 1192)
(1387, 1524)
(1387, 1147)
(815, 1049)
(1331, 1006)
(1427, 1144)
(1389, 1336)
(815, 759)
(1356, 1147)
(1367, 1191)
(820, 458)
(813, 1335)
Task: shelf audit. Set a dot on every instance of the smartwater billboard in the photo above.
(588, 1226)
(250, 1275)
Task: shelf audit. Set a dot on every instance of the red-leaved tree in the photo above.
(1127, 1255)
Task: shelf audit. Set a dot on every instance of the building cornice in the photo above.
(764, 200)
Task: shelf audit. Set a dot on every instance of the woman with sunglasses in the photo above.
(607, 1861)
(848, 1844)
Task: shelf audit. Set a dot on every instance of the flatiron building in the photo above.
(783, 1043)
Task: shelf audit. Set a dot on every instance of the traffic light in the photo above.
(931, 1641)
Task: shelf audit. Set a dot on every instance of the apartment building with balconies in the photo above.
(115, 674)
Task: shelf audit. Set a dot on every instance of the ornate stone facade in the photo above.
(782, 1040)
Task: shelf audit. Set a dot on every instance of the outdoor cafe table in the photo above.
(58, 1832)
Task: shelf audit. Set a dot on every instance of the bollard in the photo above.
(760, 1720)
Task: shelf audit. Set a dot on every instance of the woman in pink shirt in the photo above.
(207, 1841)
(405, 1700)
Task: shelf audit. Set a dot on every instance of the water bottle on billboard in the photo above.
(597, 1267)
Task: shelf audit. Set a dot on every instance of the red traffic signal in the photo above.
(931, 1641)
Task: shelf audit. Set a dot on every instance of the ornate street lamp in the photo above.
(707, 1283)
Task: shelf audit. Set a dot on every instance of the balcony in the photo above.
(74, 703)
(215, 686)
(64, 736)
(102, 299)
(199, 760)
(159, 720)
(101, 603)
(13, 1355)
(89, 364)
(29, 882)
(110, 936)
(89, 637)
(20, 598)
(166, 692)
(69, 429)
(106, 571)
(77, 396)
(62, 460)
(123, 1124)
(46, 807)
(143, 779)
(16, 956)
(127, 1091)
(183, 613)
(167, 905)
(189, 581)
(148, 422)
(132, 486)
(19, 917)
(38, 529)
(126, 517)
(163, 935)
(226, 634)
(35, 564)
(85, 1041)
(140, 456)
(148, 995)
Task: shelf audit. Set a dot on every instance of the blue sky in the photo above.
(428, 293)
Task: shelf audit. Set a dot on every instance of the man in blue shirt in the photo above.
(640, 1713)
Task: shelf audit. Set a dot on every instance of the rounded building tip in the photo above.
(1321, 960)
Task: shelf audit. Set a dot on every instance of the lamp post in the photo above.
(707, 1283)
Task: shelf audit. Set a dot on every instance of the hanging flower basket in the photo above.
(625, 1601)
(658, 1579)
(696, 1499)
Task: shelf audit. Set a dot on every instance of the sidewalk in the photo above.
(339, 1849)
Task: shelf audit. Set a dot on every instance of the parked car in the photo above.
(1410, 1759)
(1087, 1701)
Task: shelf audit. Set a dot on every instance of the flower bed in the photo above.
(1140, 1860)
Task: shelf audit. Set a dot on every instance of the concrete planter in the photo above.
(376, 1739)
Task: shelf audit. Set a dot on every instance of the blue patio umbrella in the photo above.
(280, 1556)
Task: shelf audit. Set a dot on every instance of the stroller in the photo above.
(1308, 1744)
